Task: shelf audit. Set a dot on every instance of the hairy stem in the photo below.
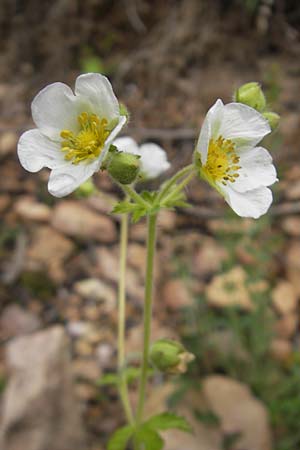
(123, 388)
(151, 241)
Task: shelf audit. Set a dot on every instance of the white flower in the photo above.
(74, 132)
(154, 160)
(231, 162)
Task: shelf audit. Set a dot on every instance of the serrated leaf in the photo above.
(167, 421)
(120, 438)
(123, 207)
(149, 197)
(138, 213)
(149, 438)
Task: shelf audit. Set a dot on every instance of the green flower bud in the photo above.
(86, 189)
(251, 94)
(123, 110)
(124, 167)
(272, 118)
(170, 356)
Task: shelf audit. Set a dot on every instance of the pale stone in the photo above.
(97, 290)
(229, 289)
(239, 412)
(291, 225)
(8, 142)
(16, 321)
(48, 251)
(77, 220)
(286, 326)
(284, 297)
(208, 258)
(29, 209)
(292, 259)
(40, 410)
(176, 294)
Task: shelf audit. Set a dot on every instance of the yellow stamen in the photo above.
(88, 143)
(221, 164)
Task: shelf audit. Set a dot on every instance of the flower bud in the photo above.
(251, 94)
(272, 118)
(86, 189)
(124, 167)
(170, 356)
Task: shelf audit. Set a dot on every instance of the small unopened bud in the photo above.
(272, 118)
(251, 94)
(86, 189)
(123, 110)
(170, 356)
(124, 167)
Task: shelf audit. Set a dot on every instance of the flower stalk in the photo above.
(151, 244)
(123, 387)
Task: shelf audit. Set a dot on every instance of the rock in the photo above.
(16, 321)
(238, 411)
(176, 294)
(29, 209)
(291, 225)
(102, 202)
(284, 297)
(96, 290)
(281, 350)
(229, 289)
(286, 326)
(48, 251)
(208, 258)
(104, 354)
(76, 220)
(292, 260)
(8, 142)
(43, 413)
(86, 369)
(166, 220)
(293, 190)
(107, 263)
(4, 202)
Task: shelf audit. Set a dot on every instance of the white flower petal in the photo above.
(98, 90)
(242, 124)
(127, 144)
(55, 108)
(252, 203)
(209, 128)
(65, 179)
(256, 169)
(36, 151)
(153, 160)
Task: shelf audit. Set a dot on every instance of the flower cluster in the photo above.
(76, 131)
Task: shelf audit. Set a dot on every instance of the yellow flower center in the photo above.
(88, 143)
(222, 161)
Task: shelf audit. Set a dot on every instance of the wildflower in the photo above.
(229, 160)
(74, 132)
(153, 160)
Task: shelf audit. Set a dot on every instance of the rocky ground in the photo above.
(59, 258)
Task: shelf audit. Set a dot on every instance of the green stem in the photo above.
(173, 180)
(179, 188)
(123, 388)
(151, 240)
(134, 195)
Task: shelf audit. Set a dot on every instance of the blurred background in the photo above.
(228, 288)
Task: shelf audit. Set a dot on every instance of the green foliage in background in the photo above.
(246, 354)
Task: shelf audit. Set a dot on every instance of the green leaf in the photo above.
(120, 438)
(108, 378)
(123, 207)
(149, 438)
(167, 420)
